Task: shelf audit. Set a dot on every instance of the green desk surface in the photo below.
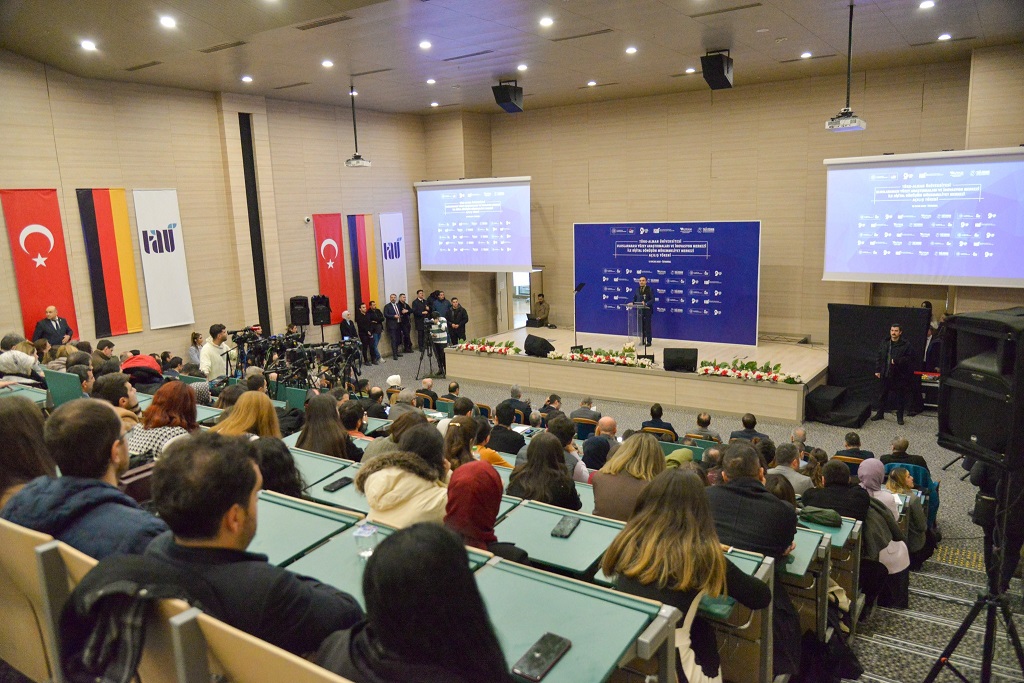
(288, 528)
(37, 396)
(707, 443)
(188, 379)
(375, 423)
(316, 467)
(204, 413)
(508, 503)
(586, 492)
(278, 404)
(361, 444)
(292, 439)
(347, 497)
(529, 527)
(144, 399)
(798, 561)
(840, 535)
(336, 563)
(505, 472)
(600, 624)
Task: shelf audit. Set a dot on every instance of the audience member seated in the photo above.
(748, 516)
(462, 406)
(535, 419)
(84, 374)
(144, 372)
(427, 389)
(552, 407)
(253, 415)
(374, 404)
(657, 423)
(748, 432)
(586, 410)
(116, 390)
(899, 455)
(544, 476)
(474, 497)
(23, 456)
(58, 358)
(787, 459)
(780, 487)
(425, 619)
(812, 468)
(766, 451)
(206, 488)
(407, 486)
(871, 475)
(480, 449)
(618, 484)
(849, 500)
(389, 443)
(453, 391)
(459, 441)
(173, 367)
(405, 402)
(322, 432)
(711, 463)
(104, 352)
(516, 401)
(228, 397)
(565, 429)
(799, 436)
(920, 541)
(107, 368)
(601, 445)
(852, 449)
(277, 467)
(9, 340)
(171, 415)
(20, 367)
(503, 438)
(202, 389)
(670, 552)
(42, 348)
(256, 382)
(83, 507)
(702, 430)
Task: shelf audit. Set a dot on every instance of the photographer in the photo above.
(438, 330)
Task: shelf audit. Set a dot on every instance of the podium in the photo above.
(634, 322)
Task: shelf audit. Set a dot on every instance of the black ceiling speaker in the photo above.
(981, 391)
(509, 96)
(717, 67)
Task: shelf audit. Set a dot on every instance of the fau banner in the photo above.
(363, 255)
(162, 247)
(705, 278)
(40, 258)
(108, 250)
(392, 239)
(329, 266)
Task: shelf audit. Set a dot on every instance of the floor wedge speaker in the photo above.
(681, 360)
(537, 346)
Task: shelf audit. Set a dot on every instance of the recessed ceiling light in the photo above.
(88, 45)
(327, 64)
(168, 22)
(945, 36)
(691, 70)
(522, 67)
(433, 104)
(246, 79)
(927, 4)
(431, 81)
(805, 55)
(424, 44)
(763, 30)
(546, 21)
(591, 83)
(630, 50)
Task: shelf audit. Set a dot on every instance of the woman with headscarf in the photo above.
(871, 474)
(474, 497)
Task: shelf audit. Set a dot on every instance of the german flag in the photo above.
(363, 253)
(108, 250)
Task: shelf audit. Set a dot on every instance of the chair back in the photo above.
(922, 478)
(136, 482)
(852, 463)
(661, 434)
(485, 410)
(700, 437)
(520, 418)
(23, 644)
(425, 401)
(63, 386)
(584, 427)
(393, 394)
(445, 405)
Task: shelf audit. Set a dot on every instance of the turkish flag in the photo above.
(329, 264)
(40, 258)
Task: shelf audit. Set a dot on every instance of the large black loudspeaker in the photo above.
(509, 97)
(537, 346)
(298, 307)
(321, 310)
(681, 360)
(717, 70)
(981, 391)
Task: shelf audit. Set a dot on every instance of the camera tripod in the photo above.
(993, 601)
(426, 351)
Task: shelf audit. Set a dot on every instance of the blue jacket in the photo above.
(87, 514)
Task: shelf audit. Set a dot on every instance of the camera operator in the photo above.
(988, 514)
(438, 331)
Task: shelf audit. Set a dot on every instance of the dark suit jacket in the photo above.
(349, 329)
(374, 409)
(748, 434)
(933, 356)
(905, 459)
(46, 330)
(750, 517)
(505, 440)
(520, 405)
(428, 392)
(849, 500)
(661, 424)
(855, 453)
(902, 366)
(420, 312)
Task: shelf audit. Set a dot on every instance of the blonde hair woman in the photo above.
(619, 483)
(253, 414)
(920, 543)
(669, 552)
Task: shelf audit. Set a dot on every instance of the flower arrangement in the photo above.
(750, 370)
(506, 348)
(624, 356)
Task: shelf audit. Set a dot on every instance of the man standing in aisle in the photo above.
(53, 328)
(393, 316)
(894, 367)
(376, 318)
(406, 322)
(644, 296)
(421, 316)
(212, 361)
(457, 319)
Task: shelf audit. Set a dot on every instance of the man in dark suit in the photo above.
(894, 366)
(899, 455)
(53, 328)
(931, 362)
(853, 449)
(458, 317)
(406, 326)
(420, 316)
(393, 316)
(657, 423)
(645, 296)
(503, 438)
(453, 391)
(586, 410)
(748, 432)
(427, 389)
(374, 405)
(515, 400)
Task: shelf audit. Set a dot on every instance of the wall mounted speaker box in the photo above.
(298, 307)
(509, 97)
(681, 360)
(537, 346)
(717, 70)
(321, 310)
(981, 390)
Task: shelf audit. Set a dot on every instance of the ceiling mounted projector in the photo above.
(357, 161)
(845, 121)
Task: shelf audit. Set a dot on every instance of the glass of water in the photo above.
(367, 538)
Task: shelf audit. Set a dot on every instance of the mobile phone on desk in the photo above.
(338, 484)
(565, 526)
(541, 657)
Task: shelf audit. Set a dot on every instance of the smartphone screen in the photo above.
(338, 484)
(566, 525)
(541, 656)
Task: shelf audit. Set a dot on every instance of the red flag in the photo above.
(329, 263)
(40, 258)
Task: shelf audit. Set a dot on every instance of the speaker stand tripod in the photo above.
(426, 350)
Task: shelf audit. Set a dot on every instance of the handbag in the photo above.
(687, 658)
(984, 513)
(895, 556)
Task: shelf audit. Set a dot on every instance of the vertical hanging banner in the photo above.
(162, 247)
(363, 255)
(108, 250)
(330, 267)
(392, 239)
(40, 259)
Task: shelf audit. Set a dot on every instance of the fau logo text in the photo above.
(158, 241)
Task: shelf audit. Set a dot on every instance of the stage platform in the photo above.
(719, 395)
